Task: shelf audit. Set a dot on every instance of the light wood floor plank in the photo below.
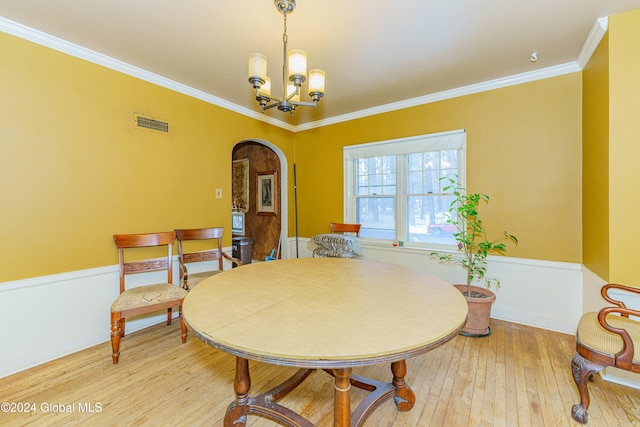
(492, 394)
(521, 393)
(535, 394)
(483, 384)
(517, 376)
(446, 381)
(460, 407)
(499, 417)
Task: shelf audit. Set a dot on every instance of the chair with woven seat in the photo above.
(146, 298)
(189, 280)
(336, 227)
(606, 338)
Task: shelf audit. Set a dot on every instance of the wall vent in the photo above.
(143, 122)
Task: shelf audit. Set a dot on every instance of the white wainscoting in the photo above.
(45, 318)
(544, 294)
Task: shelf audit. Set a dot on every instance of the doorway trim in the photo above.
(284, 194)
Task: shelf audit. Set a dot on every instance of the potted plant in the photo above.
(474, 247)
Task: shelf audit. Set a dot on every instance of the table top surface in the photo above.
(324, 312)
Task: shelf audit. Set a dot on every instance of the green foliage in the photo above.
(471, 235)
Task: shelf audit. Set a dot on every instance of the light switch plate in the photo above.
(218, 193)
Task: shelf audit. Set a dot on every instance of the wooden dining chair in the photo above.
(189, 280)
(146, 298)
(606, 338)
(336, 227)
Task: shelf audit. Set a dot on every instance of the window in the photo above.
(393, 188)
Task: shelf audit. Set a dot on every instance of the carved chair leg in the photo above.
(183, 326)
(582, 370)
(169, 316)
(116, 333)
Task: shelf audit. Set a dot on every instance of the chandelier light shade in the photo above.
(257, 67)
(316, 83)
(294, 74)
(297, 65)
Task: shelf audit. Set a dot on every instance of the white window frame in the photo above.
(451, 140)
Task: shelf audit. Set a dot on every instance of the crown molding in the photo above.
(594, 38)
(44, 39)
(544, 73)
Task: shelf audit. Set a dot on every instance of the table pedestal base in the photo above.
(265, 404)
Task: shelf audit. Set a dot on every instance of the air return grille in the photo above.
(151, 124)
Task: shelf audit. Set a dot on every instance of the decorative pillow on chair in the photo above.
(335, 246)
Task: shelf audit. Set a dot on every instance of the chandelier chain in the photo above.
(284, 35)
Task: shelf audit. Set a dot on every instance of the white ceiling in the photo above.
(374, 52)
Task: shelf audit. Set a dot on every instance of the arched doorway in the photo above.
(266, 230)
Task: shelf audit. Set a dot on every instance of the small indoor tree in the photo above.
(472, 236)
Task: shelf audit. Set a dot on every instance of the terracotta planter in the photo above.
(479, 312)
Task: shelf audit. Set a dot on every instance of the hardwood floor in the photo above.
(518, 376)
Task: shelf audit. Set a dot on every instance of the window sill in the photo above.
(407, 247)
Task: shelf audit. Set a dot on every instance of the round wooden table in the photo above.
(328, 313)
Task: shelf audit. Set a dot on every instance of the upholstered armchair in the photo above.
(607, 338)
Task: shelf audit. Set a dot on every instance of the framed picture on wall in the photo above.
(266, 193)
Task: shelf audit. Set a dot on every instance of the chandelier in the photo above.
(294, 73)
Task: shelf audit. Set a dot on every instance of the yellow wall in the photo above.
(74, 171)
(595, 175)
(624, 145)
(523, 149)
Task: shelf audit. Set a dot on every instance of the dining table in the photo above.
(332, 314)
